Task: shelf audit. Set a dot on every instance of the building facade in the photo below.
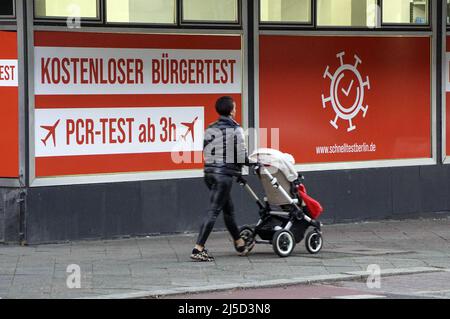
(103, 104)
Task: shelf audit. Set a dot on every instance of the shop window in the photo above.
(285, 11)
(406, 12)
(6, 8)
(210, 11)
(88, 9)
(347, 13)
(141, 11)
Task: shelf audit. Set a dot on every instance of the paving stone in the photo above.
(162, 263)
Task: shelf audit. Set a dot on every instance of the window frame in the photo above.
(413, 26)
(10, 17)
(291, 24)
(138, 24)
(380, 26)
(62, 20)
(184, 22)
(102, 22)
(447, 22)
(343, 28)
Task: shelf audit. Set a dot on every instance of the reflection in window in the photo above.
(347, 13)
(6, 8)
(448, 11)
(141, 11)
(285, 11)
(405, 11)
(210, 10)
(66, 8)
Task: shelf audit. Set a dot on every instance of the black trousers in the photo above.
(220, 200)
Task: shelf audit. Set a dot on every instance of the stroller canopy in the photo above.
(276, 161)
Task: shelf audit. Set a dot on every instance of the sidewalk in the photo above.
(160, 265)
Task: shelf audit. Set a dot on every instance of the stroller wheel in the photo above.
(248, 235)
(283, 243)
(314, 242)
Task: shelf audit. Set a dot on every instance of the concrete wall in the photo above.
(9, 215)
(124, 209)
(58, 214)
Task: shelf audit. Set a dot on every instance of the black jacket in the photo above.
(224, 148)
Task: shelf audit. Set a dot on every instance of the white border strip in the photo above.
(371, 163)
(348, 33)
(186, 174)
(9, 182)
(116, 178)
(231, 32)
(445, 70)
(256, 84)
(364, 164)
(8, 28)
(434, 88)
(31, 99)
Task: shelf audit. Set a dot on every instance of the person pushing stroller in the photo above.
(225, 154)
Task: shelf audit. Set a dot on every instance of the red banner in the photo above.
(9, 116)
(344, 99)
(120, 103)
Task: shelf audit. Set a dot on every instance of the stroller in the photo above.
(287, 211)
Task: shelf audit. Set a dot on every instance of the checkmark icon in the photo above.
(349, 89)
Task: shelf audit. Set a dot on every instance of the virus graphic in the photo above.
(356, 84)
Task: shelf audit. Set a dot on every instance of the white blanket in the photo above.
(277, 161)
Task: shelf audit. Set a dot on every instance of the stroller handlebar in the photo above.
(241, 180)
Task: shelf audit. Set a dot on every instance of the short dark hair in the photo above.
(225, 105)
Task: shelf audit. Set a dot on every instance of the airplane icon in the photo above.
(190, 127)
(51, 133)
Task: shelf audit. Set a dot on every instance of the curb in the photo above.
(346, 276)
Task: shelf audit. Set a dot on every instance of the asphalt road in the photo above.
(420, 286)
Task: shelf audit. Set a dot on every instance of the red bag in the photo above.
(314, 207)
